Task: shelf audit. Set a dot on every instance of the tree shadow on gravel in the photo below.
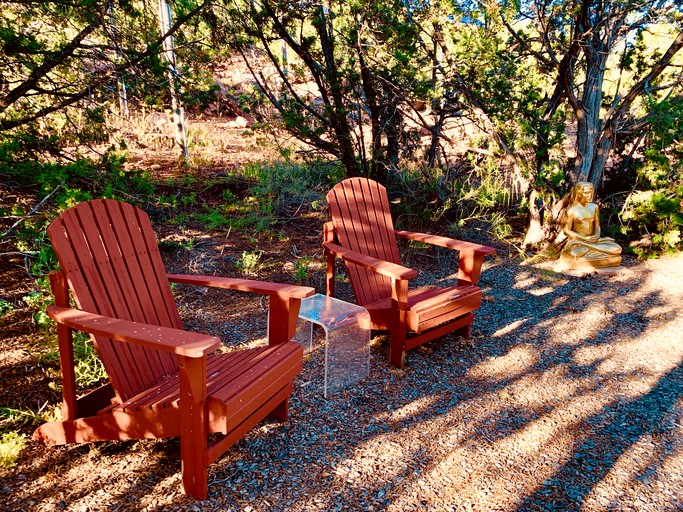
(508, 421)
(619, 426)
(478, 404)
(534, 413)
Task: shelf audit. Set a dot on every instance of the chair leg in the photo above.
(281, 411)
(397, 346)
(463, 331)
(194, 468)
(194, 427)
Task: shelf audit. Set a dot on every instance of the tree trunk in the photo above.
(535, 233)
(338, 117)
(437, 101)
(165, 22)
(371, 95)
(588, 116)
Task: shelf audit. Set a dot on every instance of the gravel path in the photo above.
(568, 397)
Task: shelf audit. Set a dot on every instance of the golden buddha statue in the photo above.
(585, 248)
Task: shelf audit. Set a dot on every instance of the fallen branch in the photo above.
(32, 254)
(34, 210)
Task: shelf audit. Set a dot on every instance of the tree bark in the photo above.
(596, 51)
(338, 115)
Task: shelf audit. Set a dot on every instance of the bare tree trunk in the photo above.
(589, 125)
(165, 18)
(121, 84)
(371, 97)
(392, 127)
(338, 117)
(534, 233)
(437, 102)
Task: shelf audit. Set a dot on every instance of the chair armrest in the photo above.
(450, 243)
(177, 341)
(285, 300)
(245, 285)
(471, 256)
(383, 267)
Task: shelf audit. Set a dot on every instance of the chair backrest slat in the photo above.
(362, 220)
(113, 268)
(138, 263)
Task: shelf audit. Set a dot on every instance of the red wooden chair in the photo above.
(164, 381)
(362, 234)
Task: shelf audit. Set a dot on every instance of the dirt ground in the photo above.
(568, 396)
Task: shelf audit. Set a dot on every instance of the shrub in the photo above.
(653, 212)
(11, 444)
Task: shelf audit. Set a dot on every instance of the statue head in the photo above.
(581, 190)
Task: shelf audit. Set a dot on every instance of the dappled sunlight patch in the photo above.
(537, 283)
(501, 476)
(539, 390)
(511, 327)
(560, 301)
(116, 475)
(586, 322)
(542, 291)
(383, 451)
(524, 281)
(643, 358)
(516, 362)
(254, 343)
(469, 463)
(475, 461)
(646, 465)
(412, 409)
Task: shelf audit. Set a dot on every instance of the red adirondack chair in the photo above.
(164, 381)
(362, 234)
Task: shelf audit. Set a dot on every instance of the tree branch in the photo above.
(33, 210)
(617, 112)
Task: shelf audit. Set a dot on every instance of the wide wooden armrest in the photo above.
(245, 285)
(450, 243)
(383, 267)
(178, 341)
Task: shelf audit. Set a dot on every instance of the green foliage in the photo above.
(11, 444)
(69, 183)
(17, 418)
(420, 199)
(657, 216)
(273, 191)
(214, 218)
(187, 244)
(75, 181)
(189, 199)
(301, 269)
(250, 262)
(653, 212)
(280, 185)
(89, 369)
(366, 59)
(5, 308)
(39, 301)
(66, 75)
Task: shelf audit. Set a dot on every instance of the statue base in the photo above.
(588, 263)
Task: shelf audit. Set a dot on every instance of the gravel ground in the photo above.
(569, 396)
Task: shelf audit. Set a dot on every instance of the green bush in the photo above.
(5, 307)
(653, 212)
(657, 217)
(281, 185)
(421, 198)
(11, 444)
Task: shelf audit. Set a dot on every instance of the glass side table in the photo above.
(347, 339)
